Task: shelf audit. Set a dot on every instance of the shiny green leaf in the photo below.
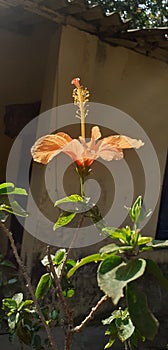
(14, 208)
(59, 256)
(72, 198)
(64, 219)
(9, 188)
(144, 240)
(84, 261)
(135, 211)
(43, 286)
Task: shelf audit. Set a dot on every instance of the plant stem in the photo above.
(82, 185)
(67, 312)
(29, 285)
(91, 314)
(126, 346)
(71, 244)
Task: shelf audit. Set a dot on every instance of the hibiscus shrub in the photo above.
(120, 263)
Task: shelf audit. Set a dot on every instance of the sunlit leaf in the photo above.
(158, 244)
(136, 209)
(59, 256)
(18, 298)
(115, 233)
(84, 261)
(25, 303)
(9, 303)
(64, 219)
(9, 188)
(112, 280)
(125, 327)
(70, 293)
(144, 240)
(72, 198)
(110, 343)
(14, 208)
(43, 285)
(114, 248)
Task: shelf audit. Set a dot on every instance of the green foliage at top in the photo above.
(143, 14)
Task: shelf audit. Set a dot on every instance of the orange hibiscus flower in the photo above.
(81, 152)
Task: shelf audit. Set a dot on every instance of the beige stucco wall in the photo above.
(119, 77)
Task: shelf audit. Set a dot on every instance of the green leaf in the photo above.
(73, 198)
(114, 248)
(109, 320)
(7, 263)
(24, 333)
(12, 280)
(110, 343)
(157, 273)
(125, 327)
(14, 208)
(158, 244)
(64, 219)
(9, 188)
(70, 293)
(3, 216)
(136, 209)
(115, 233)
(59, 256)
(54, 314)
(135, 338)
(70, 263)
(112, 332)
(140, 314)
(43, 286)
(18, 298)
(144, 240)
(12, 320)
(84, 261)
(9, 303)
(37, 341)
(110, 263)
(113, 281)
(24, 304)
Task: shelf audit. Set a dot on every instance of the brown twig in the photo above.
(91, 314)
(70, 247)
(66, 310)
(29, 285)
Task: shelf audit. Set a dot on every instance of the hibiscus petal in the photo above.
(107, 152)
(74, 149)
(95, 134)
(49, 146)
(121, 142)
